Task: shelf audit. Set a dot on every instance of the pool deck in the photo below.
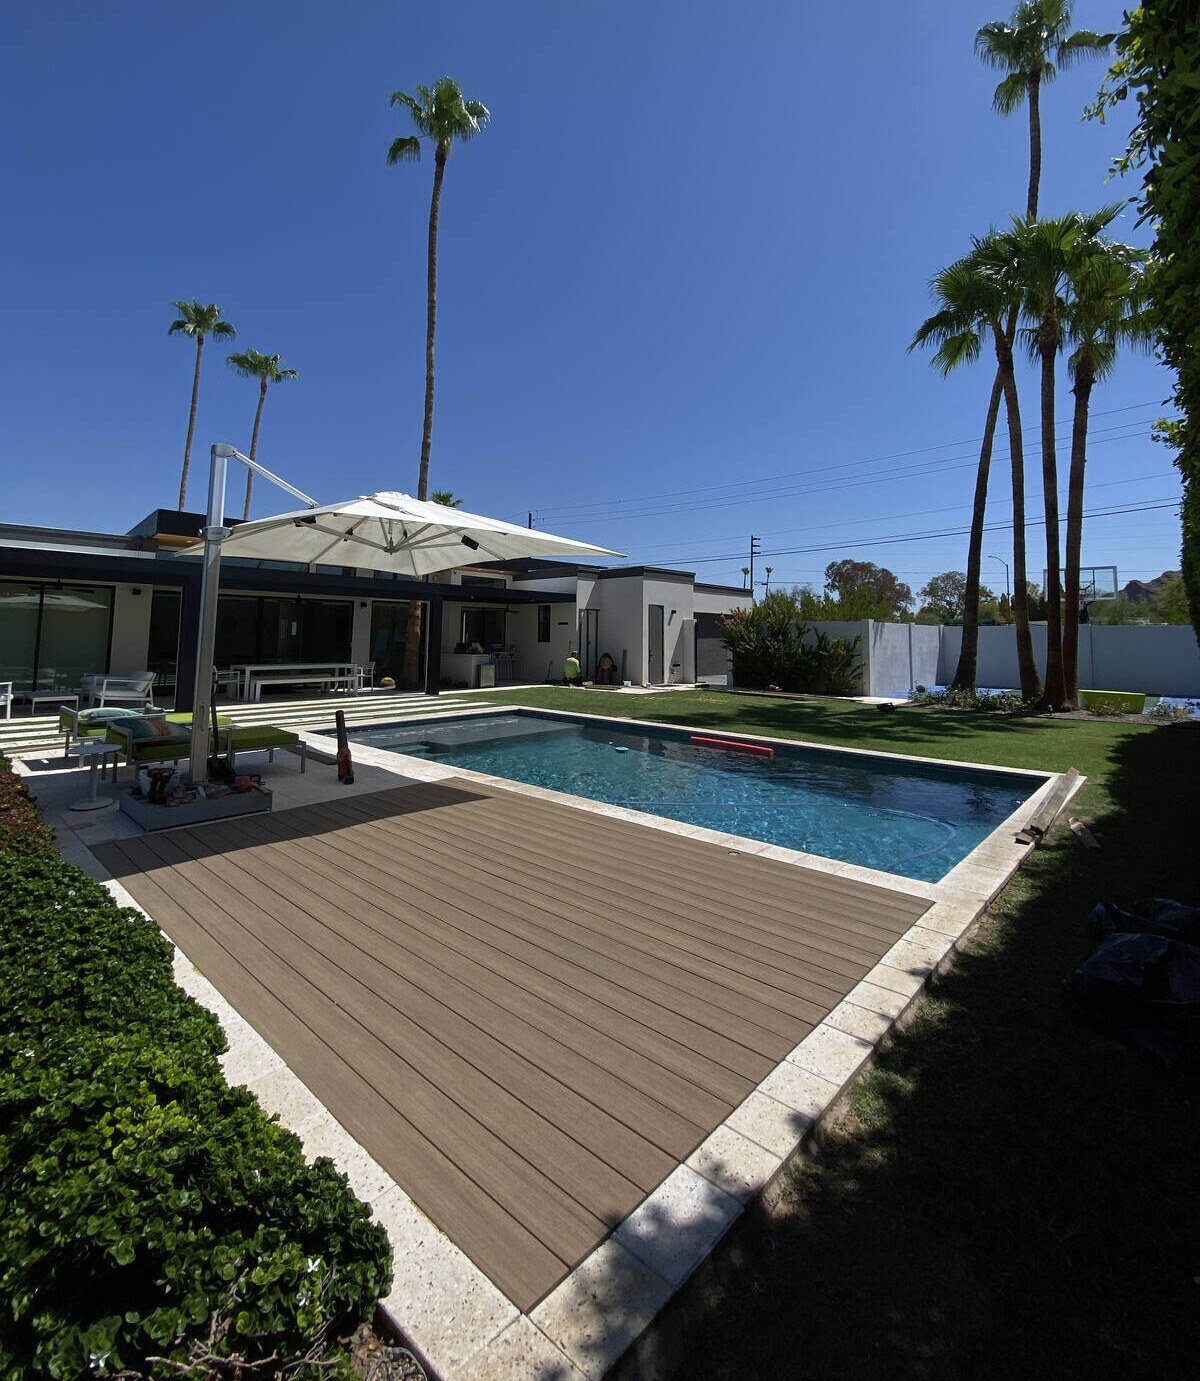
(556, 1045)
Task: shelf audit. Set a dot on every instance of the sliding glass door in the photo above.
(52, 635)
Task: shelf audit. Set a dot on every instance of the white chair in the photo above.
(6, 698)
(100, 690)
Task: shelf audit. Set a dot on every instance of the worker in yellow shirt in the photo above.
(572, 671)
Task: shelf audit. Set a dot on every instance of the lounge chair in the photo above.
(147, 739)
(92, 723)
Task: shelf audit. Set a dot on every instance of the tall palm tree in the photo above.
(1030, 48)
(1027, 48)
(444, 117)
(1107, 309)
(975, 298)
(446, 497)
(198, 320)
(1043, 253)
(253, 364)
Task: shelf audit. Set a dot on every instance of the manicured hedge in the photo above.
(146, 1208)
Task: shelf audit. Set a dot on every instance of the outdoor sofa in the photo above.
(148, 739)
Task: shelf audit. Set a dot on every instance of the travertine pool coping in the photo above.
(453, 1315)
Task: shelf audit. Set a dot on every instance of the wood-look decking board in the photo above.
(528, 1013)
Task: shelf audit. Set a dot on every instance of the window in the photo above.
(543, 623)
(496, 580)
(483, 626)
(50, 635)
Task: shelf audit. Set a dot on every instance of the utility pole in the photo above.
(531, 517)
(755, 549)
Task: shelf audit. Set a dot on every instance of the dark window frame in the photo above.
(543, 623)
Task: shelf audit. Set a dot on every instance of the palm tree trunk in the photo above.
(968, 657)
(187, 448)
(1054, 690)
(1035, 144)
(412, 637)
(1031, 685)
(1084, 380)
(262, 398)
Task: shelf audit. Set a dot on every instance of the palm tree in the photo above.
(253, 364)
(975, 298)
(1029, 49)
(1043, 253)
(444, 117)
(446, 497)
(1107, 308)
(198, 320)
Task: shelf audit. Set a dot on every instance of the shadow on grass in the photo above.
(1009, 1193)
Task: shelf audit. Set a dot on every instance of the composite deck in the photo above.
(528, 1013)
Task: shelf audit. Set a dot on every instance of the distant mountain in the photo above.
(1144, 591)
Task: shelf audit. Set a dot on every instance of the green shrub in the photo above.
(956, 699)
(770, 646)
(146, 1208)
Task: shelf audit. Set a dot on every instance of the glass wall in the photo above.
(51, 635)
(162, 647)
(267, 628)
(389, 632)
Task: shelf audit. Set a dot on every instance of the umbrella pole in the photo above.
(210, 581)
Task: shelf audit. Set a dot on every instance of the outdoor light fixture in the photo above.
(470, 543)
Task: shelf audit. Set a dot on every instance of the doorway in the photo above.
(589, 637)
(654, 667)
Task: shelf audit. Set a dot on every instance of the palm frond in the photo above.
(405, 150)
(1081, 45)
(1011, 93)
(199, 319)
(254, 364)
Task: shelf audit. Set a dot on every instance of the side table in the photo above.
(94, 753)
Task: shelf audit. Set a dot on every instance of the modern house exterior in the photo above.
(73, 602)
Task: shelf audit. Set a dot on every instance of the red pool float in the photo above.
(733, 745)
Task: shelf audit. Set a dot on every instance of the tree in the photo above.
(1106, 309)
(253, 364)
(1030, 49)
(197, 320)
(444, 117)
(1043, 254)
(1170, 605)
(977, 298)
(848, 579)
(1158, 59)
(445, 497)
(943, 597)
(1026, 49)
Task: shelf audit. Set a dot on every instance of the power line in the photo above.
(891, 539)
(841, 465)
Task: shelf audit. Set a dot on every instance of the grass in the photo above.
(1008, 1193)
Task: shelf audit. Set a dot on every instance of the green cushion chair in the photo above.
(168, 738)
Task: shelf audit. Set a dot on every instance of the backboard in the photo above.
(1095, 582)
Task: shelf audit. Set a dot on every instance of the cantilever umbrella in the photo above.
(383, 532)
(394, 532)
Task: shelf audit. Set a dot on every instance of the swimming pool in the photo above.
(914, 819)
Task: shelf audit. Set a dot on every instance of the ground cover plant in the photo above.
(1010, 1193)
(147, 1209)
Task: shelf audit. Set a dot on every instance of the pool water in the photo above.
(913, 819)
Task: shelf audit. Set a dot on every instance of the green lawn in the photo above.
(1009, 1194)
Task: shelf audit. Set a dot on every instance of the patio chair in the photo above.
(94, 722)
(148, 739)
(6, 698)
(100, 690)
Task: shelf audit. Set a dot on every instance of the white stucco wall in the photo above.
(130, 630)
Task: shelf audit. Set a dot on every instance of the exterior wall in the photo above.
(675, 596)
(623, 624)
(129, 648)
(902, 656)
(1159, 659)
(712, 602)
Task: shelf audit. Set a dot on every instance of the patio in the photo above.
(556, 1049)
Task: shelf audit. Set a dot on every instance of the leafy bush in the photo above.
(770, 646)
(955, 699)
(147, 1210)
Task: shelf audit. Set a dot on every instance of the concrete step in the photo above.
(20, 735)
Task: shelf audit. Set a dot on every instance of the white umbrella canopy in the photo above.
(395, 532)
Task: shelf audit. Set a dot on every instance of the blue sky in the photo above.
(678, 272)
